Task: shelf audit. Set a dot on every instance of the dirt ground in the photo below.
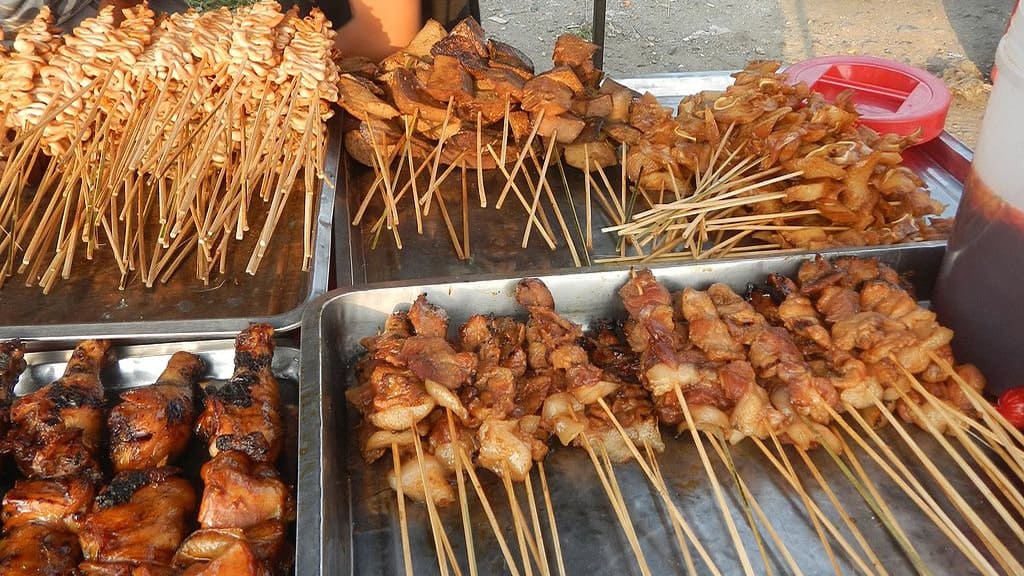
(954, 39)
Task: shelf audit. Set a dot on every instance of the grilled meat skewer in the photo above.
(244, 413)
(151, 426)
(56, 430)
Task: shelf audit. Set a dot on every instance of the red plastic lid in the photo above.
(891, 97)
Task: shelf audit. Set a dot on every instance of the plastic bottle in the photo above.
(980, 289)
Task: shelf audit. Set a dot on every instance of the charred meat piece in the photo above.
(547, 94)
(56, 430)
(449, 80)
(707, 330)
(60, 504)
(139, 519)
(575, 52)
(360, 98)
(433, 358)
(151, 426)
(244, 499)
(428, 319)
(508, 55)
(244, 413)
(39, 550)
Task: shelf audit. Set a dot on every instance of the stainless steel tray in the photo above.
(140, 365)
(360, 520)
(89, 305)
(496, 235)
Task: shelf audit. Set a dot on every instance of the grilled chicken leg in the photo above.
(138, 521)
(12, 364)
(152, 425)
(244, 413)
(56, 430)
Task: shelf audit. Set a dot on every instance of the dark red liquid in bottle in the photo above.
(980, 290)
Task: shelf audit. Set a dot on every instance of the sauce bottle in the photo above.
(980, 289)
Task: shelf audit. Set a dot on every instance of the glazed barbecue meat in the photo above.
(39, 550)
(41, 522)
(151, 426)
(139, 520)
(237, 559)
(60, 504)
(553, 343)
(243, 500)
(244, 413)
(56, 430)
(241, 493)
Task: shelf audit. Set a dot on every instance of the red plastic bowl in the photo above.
(891, 97)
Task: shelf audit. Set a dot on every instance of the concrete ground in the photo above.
(954, 39)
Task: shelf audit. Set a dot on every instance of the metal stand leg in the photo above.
(600, 7)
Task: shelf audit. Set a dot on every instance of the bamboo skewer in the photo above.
(661, 488)
(538, 533)
(722, 448)
(716, 487)
(998, 549)
(623, 515)
(921, 497)
(518, 522)
(652, 461)
(551, 518)
(878, 504)
(1010, 492)
(542, 227)
(519, 160)
(536, 196)
(843, 514)
(441, 547)
(467, 526)
(747, 508)
(403, 520)
(465, 214)
(513, 569)
(542, 182)
(480, 162)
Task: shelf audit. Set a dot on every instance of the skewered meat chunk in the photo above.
(151, 426)
(139, 519)
(430, 468)
(707, 330)
(39, 550)
(244, 413)
(61, 504)
(508, 55)
(56, 430)
(357, 96)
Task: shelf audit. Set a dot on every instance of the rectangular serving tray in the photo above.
(495, 236)
(141, 365)
(89, 304)
(360, 533)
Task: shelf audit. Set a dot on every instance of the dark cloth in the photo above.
(447, 12)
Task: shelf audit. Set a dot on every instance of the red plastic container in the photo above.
(891, 97)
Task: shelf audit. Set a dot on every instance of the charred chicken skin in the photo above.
(244, 413)
(56, 430)
(138, 520)
(151, 426)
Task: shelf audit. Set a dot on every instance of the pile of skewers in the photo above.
(60, 518)
(160, 139)
(763, 166)
(820, 360)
